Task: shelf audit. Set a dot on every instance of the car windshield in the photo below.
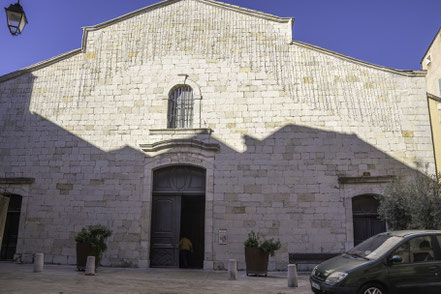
(375, 246)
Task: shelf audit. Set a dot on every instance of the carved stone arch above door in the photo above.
(179, 179)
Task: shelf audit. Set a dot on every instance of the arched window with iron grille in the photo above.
(180, 107)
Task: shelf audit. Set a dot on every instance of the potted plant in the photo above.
(91, 242)
(257, 253)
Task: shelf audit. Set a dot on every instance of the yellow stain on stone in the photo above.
(273, 124)
(156, 109)
(337, 79)
(239, 131)
(229, 114)
(90, 55)
(40, 91)
(231, 126)
(399, 154)
(133, 54)
(158, 90)
(308, 80)
(212, 61)
(89, 127)
(368, 85)
(249, 94)
(382, 98)
(124, 110)
(139, 103)
(407, 134)
(352, 79)
(67, 99)
(245, 69)
(220, 89)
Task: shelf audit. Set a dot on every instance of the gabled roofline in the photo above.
(403, 72)
(409, 73)
(430, 46)
(164, 3)
(40, 65)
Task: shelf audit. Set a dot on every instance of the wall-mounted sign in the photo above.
(223, 237)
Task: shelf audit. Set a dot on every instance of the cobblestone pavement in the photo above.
(57, 279)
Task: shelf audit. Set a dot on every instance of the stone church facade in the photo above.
(202, 118)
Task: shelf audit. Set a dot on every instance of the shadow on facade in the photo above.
(286, 185)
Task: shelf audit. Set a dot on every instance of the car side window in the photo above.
(403, 251)
(421, 249)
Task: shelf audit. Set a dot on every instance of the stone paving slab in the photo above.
(58, 279)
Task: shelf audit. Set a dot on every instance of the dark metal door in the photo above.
(166, 215)
(365, 218)
(10, 235)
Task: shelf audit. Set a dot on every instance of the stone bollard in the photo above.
(232, 269)
(90, 266)
(292, 276)
(38, 262)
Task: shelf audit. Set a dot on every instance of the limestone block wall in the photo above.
(289, 118)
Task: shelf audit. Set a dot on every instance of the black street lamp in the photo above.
(16, 18)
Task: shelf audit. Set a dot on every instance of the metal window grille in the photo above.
(180, 107)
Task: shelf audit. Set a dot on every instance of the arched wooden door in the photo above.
(365, 218)
(175, 190)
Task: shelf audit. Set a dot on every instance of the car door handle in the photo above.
(433, 268)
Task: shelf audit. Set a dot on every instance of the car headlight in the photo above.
(314, 270)
(335, 277)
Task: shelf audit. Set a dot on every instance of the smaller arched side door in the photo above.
(365, 217)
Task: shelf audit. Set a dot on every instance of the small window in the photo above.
(421, 249)
(416, 250)
(403, 252)
(180, 107)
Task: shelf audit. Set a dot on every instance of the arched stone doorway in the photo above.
(11, 226)
(365, 218)
(178, 209)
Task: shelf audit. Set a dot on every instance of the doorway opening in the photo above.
(178, 210)
(365, 217)
(10, 234)
(192, 227)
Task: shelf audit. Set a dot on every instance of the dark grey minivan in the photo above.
(398, 262)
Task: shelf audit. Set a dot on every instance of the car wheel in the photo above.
(372, 289)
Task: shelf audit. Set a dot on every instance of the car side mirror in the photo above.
(395, 259)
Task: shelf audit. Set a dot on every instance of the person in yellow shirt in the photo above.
(185, 248)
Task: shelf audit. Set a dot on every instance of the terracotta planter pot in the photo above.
(256, 261)
(83, 251)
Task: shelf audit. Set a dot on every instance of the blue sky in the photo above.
(393, 33)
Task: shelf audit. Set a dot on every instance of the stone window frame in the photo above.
(183, 79)
(180, 110)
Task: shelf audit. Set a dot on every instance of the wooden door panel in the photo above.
(166, 214)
